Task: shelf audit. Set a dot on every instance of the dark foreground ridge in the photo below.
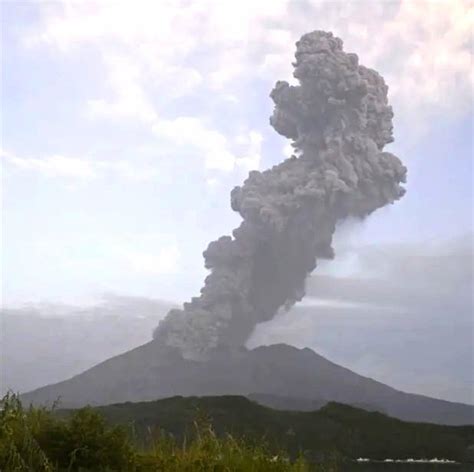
(351, 431)
(279, 375)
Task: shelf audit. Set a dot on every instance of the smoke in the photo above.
(339, 121)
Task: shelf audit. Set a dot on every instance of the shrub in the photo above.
(37, 440)
(19, 448)
(84, 441)
(206, 452)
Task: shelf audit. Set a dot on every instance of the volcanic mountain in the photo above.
(278, 375)
(338, 121)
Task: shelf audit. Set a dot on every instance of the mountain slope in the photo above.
(153, 371)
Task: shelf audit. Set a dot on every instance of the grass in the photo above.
(219, 434)
(37, 440)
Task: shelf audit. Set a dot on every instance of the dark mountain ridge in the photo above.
(351, 431)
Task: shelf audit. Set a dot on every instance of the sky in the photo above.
(125, 125)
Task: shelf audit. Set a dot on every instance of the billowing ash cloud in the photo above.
(339, 121)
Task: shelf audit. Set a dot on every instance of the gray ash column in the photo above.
(339, 121)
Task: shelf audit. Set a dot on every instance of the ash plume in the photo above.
(339, 121)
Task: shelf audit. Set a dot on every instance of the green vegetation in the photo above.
(218, 434)
(37, 440)
(34, 439)
(352, 432)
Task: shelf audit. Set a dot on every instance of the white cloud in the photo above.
(164, 262)
(154, 52)
(125, 169)
(62, 167)
(252, 157)
(212, 182)
(129, 100)
(148, 254)
(109, 255)
(309, 301)
(139, 47)
(192, 131)
(425, 51)
(71, 24)
(214, 145)
(288, 149)
(53, 166)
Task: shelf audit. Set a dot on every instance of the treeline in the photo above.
(318, 435)
(39, 440)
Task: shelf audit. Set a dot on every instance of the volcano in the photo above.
(276, 375)
(338, 120)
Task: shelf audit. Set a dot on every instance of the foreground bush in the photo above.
(36, 440)
(207, 452)
(19, 448)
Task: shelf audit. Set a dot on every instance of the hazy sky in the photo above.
(126, 125)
